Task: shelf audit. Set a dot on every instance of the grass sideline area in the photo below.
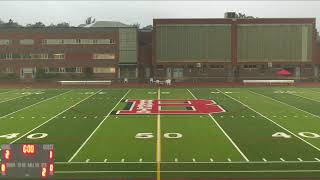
(265, 132)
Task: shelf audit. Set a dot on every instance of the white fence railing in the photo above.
(108, 82)
(269, 82)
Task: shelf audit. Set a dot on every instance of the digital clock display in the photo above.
(27, 160)
(28, 148)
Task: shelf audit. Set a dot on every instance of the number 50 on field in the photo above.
(165, 135)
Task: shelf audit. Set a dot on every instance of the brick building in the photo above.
(225, 49)
(234, 49)
(105, 50)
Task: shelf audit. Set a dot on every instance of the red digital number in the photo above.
(50, 154)
(7, 154)
(3, 169)
(51, 168)
(28, 149)
(44, 172)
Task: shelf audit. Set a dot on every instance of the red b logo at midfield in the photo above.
(171, 107)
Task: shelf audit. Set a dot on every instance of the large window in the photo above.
(104, 56)
(9, 70)
(73, 70)
(27, 41)
(63, 70)
(44, 41)
(58, 56)
(39, 56)
(104, 70)
(5, 41)
(6, 56)
(76, 41)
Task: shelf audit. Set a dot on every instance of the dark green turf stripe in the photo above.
(23, 102)
(253, 133)
(70, 129)
(302, 103)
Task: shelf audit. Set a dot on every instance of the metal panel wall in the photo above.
(193, 43)
(128, 45)
(274, 42)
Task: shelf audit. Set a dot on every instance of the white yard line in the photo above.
(245, 105)
(85, 142)
(284, 103)
(229, 138)
(226, 171)
(34, 104)
(52, 118)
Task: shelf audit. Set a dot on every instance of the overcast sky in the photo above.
(75, 12)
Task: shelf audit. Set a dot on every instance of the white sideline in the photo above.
(272, 120)
(229, 138)
(54, 117)
(14, 98)
(33, 104)
(226, 171)
(187, 162)
(295, 94)
(284, 103)
(85, 142)
(7, 91)
(269, 81)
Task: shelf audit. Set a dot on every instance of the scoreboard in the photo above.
(27, 160)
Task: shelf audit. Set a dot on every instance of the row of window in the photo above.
(63, 70)
(79, 70)
(69, 70)
(59, 41)
(9, 56)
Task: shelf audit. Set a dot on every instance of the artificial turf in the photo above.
(269, 132)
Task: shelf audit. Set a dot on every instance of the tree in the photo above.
(63, 24)
(243, 16)
(137, 25)
(148, 27)
(89, 20)
(37, 24)
(10, 23)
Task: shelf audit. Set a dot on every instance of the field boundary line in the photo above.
(191, 162)
(53, 117)
(245, 105)
(295, 94)
(34, 104)
(8, 91)
(285, 103)
(313, 91)
(14, 98)
(85, 142)
(158, 150)
(217, 171)
(222, 130)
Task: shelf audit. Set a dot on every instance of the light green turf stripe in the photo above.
(115, 140)
(56, 115)
(85, 142)
(202, 140)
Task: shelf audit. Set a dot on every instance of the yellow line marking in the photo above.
(158, 155)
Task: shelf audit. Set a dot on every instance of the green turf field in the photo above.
(271, 132)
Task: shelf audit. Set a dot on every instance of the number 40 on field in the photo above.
(302, 134)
